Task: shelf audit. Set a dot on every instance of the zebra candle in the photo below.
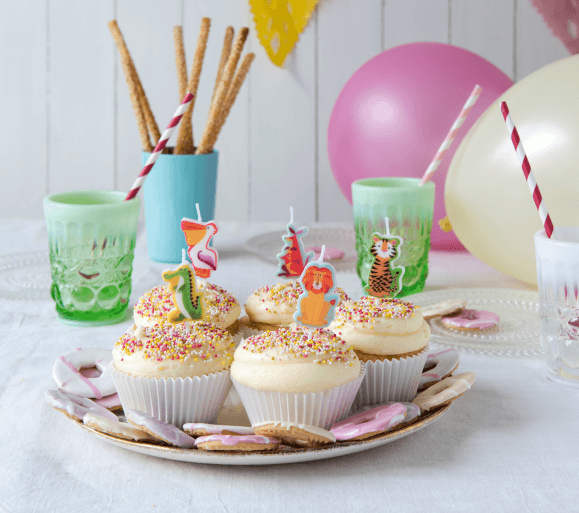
(293, 258)
(198, 236)
(317, 303)
(189, 304)
(385, 279)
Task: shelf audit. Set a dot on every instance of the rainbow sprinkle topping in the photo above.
(157, 302)
(369, 309)
(294, 343)
(200, 341)
(287, 293)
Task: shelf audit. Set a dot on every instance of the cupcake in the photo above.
(222, 309)
(176, 373)
(271, 308)
(285, 376)
(392, 337)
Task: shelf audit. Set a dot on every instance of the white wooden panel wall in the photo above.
(67, 121)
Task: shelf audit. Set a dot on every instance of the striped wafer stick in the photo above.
(451, 135)
(160, 146)
(524, 161)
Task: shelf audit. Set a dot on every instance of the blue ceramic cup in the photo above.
(174, 185)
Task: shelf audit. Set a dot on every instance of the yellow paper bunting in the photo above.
(279, 24)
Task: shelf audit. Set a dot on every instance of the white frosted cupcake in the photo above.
(222, 309)
(176, 373)
(283, 376)
(391, 336)
(271, 308)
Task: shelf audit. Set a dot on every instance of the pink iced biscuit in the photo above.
(248, 442)
(193, 428)
(75, 406)
(110, 402)
(472, 320)
(412, 411)
(368, 423)
(445, 362)
(329, 253)
(165, 432)
(66, 372)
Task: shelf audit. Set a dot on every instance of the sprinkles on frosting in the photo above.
(158, 301)
(200, 341)
(368, 309)
(295, 343)
(287, 293)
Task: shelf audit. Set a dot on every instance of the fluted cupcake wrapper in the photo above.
(391, 380)
(320, 409)
(175, 401)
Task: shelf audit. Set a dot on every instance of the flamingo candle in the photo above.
(198, 236)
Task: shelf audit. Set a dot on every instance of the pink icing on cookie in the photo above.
(236, 440)
(378, 419)
(445, 362)
(473, 319)
(217, 429)
(166, 432)
(108, 401)
(329, 253)
(75, 405)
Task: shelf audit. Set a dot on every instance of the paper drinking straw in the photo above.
(451, 135)
(160, 146)
(524, 161)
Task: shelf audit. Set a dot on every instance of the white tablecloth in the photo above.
(511, 444)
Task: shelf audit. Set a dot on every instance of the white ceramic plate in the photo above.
(519, 329)
(270, 458)
(268, 245)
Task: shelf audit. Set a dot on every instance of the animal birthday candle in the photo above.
(293, 258)
(189, 304)
(385, 279)
(198, 236)
(317, 304)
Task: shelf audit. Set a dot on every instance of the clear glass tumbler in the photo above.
(410, 209)
(91, 240)
(558, 279)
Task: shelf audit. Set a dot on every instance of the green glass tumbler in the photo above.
(91, 241)
(410, 209)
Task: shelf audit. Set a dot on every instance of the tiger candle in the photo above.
(385, 278)
(409, 208)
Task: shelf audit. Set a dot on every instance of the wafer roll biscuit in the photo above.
(222, 91)
(180, 61)
(226, 50)
(130, 76)
(185, 143)
(238, 80)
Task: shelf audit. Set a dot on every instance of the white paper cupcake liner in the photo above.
(321, 409)
(175, 401)
(391, 380)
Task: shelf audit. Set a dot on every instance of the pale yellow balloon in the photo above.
(487, 198)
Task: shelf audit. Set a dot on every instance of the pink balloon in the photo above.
(394, 112)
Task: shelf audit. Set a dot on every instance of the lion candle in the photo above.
(385, 278)
(317, 303)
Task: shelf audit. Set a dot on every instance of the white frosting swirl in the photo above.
(287, 361)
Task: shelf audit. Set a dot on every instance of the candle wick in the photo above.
(198, 213)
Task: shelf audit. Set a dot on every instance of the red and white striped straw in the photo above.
(524, 161)
(160, 146)
(451, 135)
